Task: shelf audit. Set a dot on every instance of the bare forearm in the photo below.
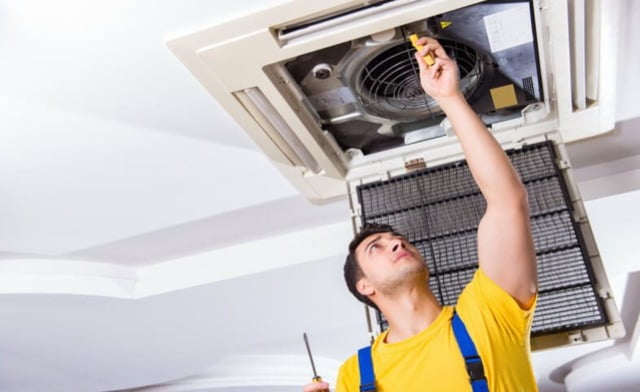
(505, 247)
(489, 165)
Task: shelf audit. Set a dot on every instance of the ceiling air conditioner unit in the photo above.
(330, 91)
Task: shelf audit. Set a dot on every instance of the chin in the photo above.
(415, 269)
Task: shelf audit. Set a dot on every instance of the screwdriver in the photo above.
(428, 58)
(316, 378)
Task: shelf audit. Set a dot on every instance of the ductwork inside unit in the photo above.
(367, 94)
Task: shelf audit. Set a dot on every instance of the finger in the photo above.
(426, 71)
(448, 64)
(435, 70)
(435, 49)
(318, 386)
(422, 65)
(427, 55)
(448, 67)
(433, 46)
(323, 387)
(424, 51)
(445, 63)
(421, 41)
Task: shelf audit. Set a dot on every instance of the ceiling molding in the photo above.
(75, 277)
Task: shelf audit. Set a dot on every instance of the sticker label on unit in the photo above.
(509, 28)
(503, 96)
(332, 98)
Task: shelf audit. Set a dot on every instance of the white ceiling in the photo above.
(104, 128)
(144, 238)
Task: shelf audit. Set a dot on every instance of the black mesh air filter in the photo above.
(438, 210)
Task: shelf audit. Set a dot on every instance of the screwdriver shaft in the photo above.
(313, 366)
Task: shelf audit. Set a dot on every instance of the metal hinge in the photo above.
(604, 293)
(579, 213)
(563, 164)
(415, 164)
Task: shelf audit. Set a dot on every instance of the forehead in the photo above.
(371, 238)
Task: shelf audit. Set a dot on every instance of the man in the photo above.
(419, 351)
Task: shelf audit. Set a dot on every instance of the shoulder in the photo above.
(348, 375)
(349, 372)
(482, 300)
(350, 363)
(483, 288)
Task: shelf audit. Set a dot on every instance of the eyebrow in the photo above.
(366, 248)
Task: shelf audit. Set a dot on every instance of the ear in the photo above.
(364, 287)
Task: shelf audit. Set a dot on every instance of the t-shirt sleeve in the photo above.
(348, 376)
(483, 298)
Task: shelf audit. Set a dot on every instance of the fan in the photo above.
(389, 84)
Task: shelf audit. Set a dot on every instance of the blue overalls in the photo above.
(472, 360)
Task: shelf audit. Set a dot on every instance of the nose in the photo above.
(397, 244)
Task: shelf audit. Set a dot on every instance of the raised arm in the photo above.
(505, 246)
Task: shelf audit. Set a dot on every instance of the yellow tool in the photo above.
(428, 58)
(316, 378)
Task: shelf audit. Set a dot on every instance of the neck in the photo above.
(410, 312)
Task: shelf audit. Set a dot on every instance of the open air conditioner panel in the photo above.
(366, 92)
(330, 92)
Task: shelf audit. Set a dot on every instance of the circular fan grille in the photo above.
(389, 84)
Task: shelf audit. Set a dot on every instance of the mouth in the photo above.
(401, 255)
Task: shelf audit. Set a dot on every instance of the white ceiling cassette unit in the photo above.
(329, 90)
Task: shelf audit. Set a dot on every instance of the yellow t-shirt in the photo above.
(431, 360)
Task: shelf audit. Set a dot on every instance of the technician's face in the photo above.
(388, 259)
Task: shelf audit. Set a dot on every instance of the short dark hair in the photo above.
(352, 270)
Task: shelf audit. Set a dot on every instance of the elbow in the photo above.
(517, 196)
(520, 196)
(518, 202)
(514, 198)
